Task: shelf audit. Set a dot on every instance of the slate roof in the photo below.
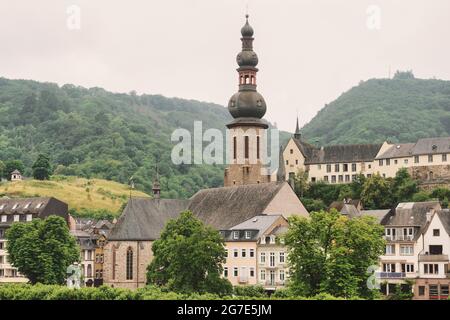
(444, 215)
(377, 214)
(23, 205)
(410, 214)
(344, 153)
(223, 208)
(398, 151)
(144, 218)
(259, 223)
(305, 148)
(425, 146)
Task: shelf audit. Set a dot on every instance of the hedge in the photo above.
(55, 292)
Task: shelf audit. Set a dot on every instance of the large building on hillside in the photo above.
(249, 193)
(426, 160)
(23, 210)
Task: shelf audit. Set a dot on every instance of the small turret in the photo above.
(297, 134)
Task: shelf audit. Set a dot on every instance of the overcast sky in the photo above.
(310, 51)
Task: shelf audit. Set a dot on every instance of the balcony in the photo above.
(433, 258)
(391, 275)
(399, 237)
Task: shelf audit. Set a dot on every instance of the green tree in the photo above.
(42, 169)
(301, 183)
(188, 257)
(331, 253)
(376, 193)
(42, 249)
(404, 187)
(12, 165)
(2, 169)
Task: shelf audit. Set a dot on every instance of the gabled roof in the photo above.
(223, 208)
(144, 218)
(344, 153)
(398, 151)
(305, 148)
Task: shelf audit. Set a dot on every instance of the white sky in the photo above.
(310, 51)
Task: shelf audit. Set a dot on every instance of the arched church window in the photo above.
(129, 266)
(246, 151)
(234, 148)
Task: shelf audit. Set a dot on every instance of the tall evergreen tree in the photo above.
(42, 169)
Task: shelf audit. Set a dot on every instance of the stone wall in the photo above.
(114, 272)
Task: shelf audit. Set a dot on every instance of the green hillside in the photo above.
(93, 133)
(402, 109)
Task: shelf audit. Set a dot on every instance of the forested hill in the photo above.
(95, 133)
(402, 109)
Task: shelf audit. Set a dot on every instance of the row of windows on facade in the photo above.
(428, 268)
(404, 233)
(262, 256)
(435, 291)
(87, 255)
(88, 273)
(26, 206)
(382, 162)
(262, 273)
(16, 217)
(248, 235)
(405, 250)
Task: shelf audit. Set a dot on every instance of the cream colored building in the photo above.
(254, 254)
(427, 160)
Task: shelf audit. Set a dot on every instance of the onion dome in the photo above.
(247, 102)
(247, 30)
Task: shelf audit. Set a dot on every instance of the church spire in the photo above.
(297, 134)
(247, 105)
(156, 189)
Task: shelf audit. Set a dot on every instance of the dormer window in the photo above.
(272, 239)
(235, 235)
(248, 234)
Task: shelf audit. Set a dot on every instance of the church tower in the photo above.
(247, 130)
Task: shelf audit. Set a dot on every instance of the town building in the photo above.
(16, 176)
(425, 160)
(23, 210)
(91, 236)
(253, 253)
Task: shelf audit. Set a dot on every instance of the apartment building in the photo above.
(23, 210)
(417, 250)
(427, 160)
(253, 254)
(434, 273)
(272, 264)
